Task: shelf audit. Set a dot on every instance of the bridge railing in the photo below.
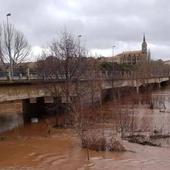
(116, 75)
(5, 75)
(133, 75)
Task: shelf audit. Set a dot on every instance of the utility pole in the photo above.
(9, 46)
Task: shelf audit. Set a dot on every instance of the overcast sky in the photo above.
(102, 23)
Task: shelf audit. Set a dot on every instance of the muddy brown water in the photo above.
(30, 147)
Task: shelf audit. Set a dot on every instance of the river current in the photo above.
(30, 147)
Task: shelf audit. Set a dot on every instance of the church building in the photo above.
(133, 57)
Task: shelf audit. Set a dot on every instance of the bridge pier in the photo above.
(118, 93)
(10, 115)
(159, 85)
(137, 89)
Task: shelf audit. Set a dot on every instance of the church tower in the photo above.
(144, 46)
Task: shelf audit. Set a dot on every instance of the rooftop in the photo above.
(131, 52)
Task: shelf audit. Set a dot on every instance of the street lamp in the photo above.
(8, 15)
(79, 37)
(9, 45)
(113, 47)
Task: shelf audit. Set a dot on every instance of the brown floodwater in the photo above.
(30, 147)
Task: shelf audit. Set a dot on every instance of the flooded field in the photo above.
(31, 147)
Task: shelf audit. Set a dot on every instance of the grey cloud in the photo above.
(102, 23)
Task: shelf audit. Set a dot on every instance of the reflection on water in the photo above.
(30, 147)
(10, 122)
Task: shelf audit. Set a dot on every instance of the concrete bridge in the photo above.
(25, 89)
(137, 83)
(22, 99)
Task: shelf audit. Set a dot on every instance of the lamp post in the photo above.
(79, 37)
(9, 45)
(113, 47)
(79, 45)
(7, 15)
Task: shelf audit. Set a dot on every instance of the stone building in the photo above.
(133, 57)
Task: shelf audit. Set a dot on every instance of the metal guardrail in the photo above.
(4, 76)
(17, 76)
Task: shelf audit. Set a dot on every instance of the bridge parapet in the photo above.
(37, 88)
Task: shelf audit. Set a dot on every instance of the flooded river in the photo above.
(31, 147)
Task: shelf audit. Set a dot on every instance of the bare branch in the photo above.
(13, 45)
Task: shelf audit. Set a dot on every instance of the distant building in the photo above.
(133, 57)
(167, 62)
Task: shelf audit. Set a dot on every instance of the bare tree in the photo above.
(66, 61)
(69, 54)
(14, 48)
